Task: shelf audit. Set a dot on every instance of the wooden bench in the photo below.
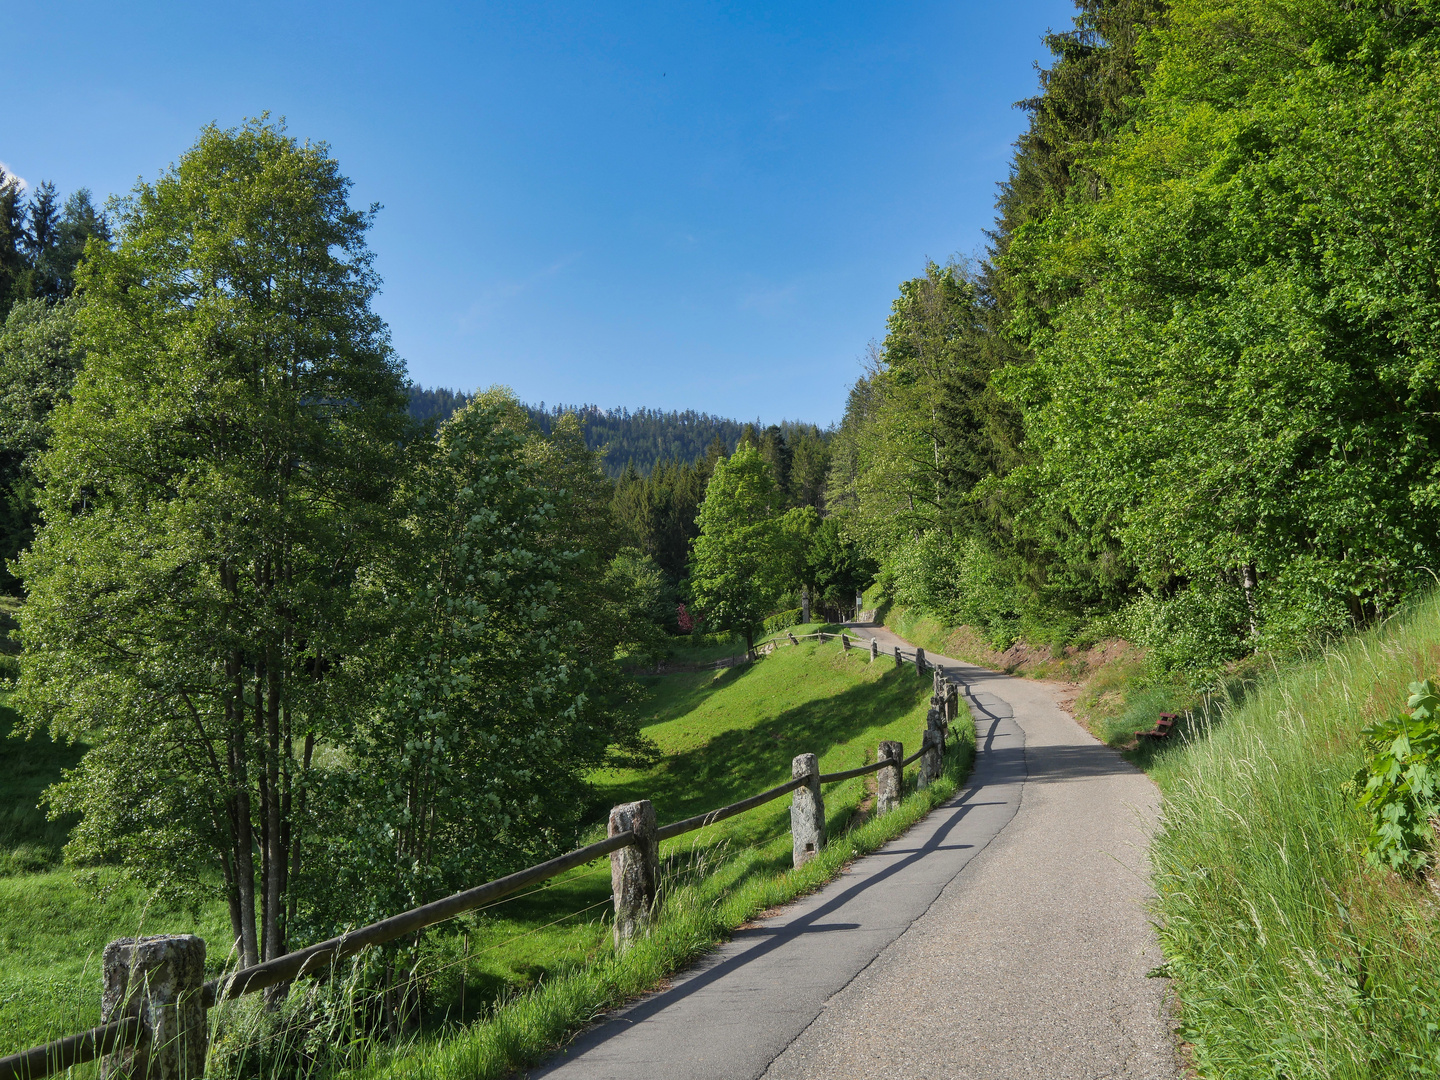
(1162, 727)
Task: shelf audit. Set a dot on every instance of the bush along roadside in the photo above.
(694, 917)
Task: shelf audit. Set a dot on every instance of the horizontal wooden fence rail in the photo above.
(160, 977)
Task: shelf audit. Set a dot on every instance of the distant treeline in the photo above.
(642, 437)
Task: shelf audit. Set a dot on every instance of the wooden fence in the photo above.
(154, 996)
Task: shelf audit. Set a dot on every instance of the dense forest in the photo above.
(1189, 397)
(641, 439)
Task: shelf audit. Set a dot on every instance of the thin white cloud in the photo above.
(24, 184)
(501, 293)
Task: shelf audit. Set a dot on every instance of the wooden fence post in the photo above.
(919, 661)
(807, 811)
(888, 779)
(791, 635)
(899, 660)
(874, 649)
(844, 642)
(805, 605)
(634, 870)
(160, 981)
(932, 760)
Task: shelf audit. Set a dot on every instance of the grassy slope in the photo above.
(28, 841)
(1291, 957)
(726, 735)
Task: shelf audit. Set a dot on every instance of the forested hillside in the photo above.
(643, 438)
(1190, 396)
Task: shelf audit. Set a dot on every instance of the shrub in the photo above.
(782, 621)
(1399, 782)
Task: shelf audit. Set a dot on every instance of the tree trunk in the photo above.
(275, 858)
(1247, 573)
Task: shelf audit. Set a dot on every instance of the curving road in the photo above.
(1005, 936)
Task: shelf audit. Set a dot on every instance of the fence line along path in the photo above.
(154, 998)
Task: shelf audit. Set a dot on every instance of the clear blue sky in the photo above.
(681, 205)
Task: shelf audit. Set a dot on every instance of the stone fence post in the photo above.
(807, 811)
(634, 870)
(932, 760)
(888, 779)
(159, 980)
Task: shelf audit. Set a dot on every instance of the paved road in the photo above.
(1002, 937)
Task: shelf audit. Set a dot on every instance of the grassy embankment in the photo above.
(725, 735)
(1291, 957)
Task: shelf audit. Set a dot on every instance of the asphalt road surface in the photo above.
(1005, 936)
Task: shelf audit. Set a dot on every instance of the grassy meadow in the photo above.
(724, 735)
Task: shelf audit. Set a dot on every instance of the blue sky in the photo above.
(678, 205)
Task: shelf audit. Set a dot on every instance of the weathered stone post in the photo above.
(919, 661)
(634, 870)
(159, 980)
(889, 779)
(805, 604)
(874, 649)
(932, 759)
(807, 811)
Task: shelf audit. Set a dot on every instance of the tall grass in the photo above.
(1291, 957)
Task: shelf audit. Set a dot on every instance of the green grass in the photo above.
(52, 933)
(1291, 957)
(725, 735)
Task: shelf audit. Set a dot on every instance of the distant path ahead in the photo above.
(1004, 936)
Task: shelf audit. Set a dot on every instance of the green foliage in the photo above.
(1233, 346)
(41, 243)
(38, 363)
(782, 620)
(506, 609)
(743, 558)
(644, 603)
(1400, 782)
(657, 512)
(213, 491)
